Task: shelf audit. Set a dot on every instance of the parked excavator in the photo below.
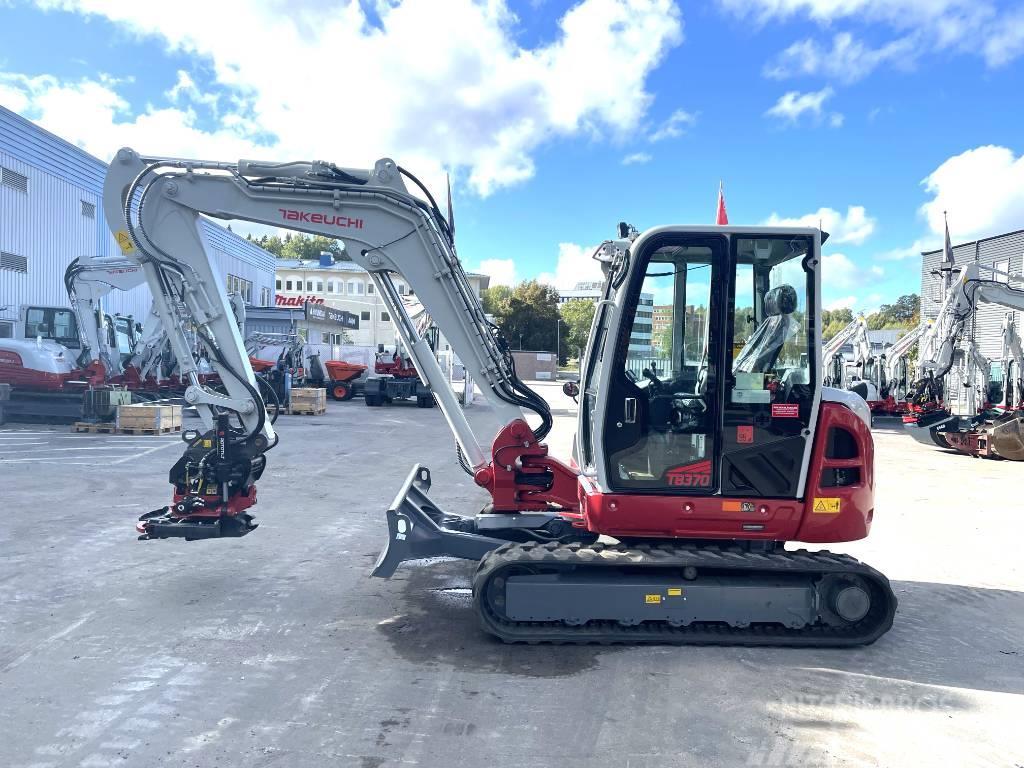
(977, 428)
(701, 472)
(895, 367)
(64, 362)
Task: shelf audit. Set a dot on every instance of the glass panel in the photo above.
(770, 394)
(661, 432)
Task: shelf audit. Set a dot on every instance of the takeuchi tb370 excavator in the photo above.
(695, 469)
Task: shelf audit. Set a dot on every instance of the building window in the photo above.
(364, 316)
(240, 286)
(325, 338)
(401, 289)
(88, 210)
(355, 288)
(264, 296)
(369, 288)
(309, 286)
(319, 286)
(1004, 267)
(277, 283)
(289, 284)
(6, 329)
(330, 286)
(14, 180)
(385, 317)
(13, 262)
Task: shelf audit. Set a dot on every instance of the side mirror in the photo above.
(571, 388)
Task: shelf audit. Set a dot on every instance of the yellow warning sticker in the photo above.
(653, 599)
(207, 443)
(675, 592)
(124, 240)
(826, 506)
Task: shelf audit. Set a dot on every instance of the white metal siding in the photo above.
(47, 225)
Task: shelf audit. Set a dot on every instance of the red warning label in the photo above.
(785, 411)
(745, 433)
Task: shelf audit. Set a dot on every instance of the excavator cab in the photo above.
(720, 397)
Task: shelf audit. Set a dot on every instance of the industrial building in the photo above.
(640, 343)
(1002, 252)
(51, 213)
(347, 286)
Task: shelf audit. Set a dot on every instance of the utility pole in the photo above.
(558, 340)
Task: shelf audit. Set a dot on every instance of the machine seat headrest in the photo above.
(780, 300)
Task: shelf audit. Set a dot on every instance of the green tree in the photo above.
(528, 316)
(833, 321)
(495, 299)
(905, 313)
(577, 316)
(300, 246)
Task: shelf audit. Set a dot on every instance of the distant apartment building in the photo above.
(640, 341)
(661, 318)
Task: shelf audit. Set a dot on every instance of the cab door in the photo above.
(663, 400)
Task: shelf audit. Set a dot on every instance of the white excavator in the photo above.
(63, 361)
(975, 429)
(698, 474)
(896, 369)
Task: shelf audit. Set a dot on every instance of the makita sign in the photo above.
(296, 301)
(331, 315)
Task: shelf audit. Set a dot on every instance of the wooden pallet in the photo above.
(149, 430)
(103, 428)
(307, 411)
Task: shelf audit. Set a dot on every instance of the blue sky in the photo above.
(559, 119)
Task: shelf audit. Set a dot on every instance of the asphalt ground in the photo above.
(278, 649)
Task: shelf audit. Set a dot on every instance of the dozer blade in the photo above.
(418, 529)
(1006, 438)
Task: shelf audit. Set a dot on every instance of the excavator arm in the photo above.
(154, 206)
(88, 279)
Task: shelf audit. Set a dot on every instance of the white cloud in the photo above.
(637, 158)
(575, 264)
(793, 104)
(838, 271)
(846, 302)
(848, 60)
(674, 126)
(480, 103)
(501, 271)
(968, 26)
(877, 271)
(92, 115)
(855, 227)
(983, 191)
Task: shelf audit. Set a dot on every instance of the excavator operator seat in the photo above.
(762, 349)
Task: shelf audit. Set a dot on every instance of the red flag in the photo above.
(721, 217)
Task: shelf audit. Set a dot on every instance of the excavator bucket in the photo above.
(1006, 438)
(927, 428)
(418, 529)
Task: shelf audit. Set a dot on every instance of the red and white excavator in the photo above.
(62, 360)
(688, 484)
(978, 426)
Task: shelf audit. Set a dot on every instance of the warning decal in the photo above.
(785, 411)
(826, 506)
(123, 240)
(652, 599)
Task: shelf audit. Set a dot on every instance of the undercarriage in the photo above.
(540, 579)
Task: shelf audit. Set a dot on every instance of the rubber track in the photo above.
(578, 557)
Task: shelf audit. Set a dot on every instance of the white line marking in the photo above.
(45, 460)
(82, 448)
(51, 639)
(139, 455)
